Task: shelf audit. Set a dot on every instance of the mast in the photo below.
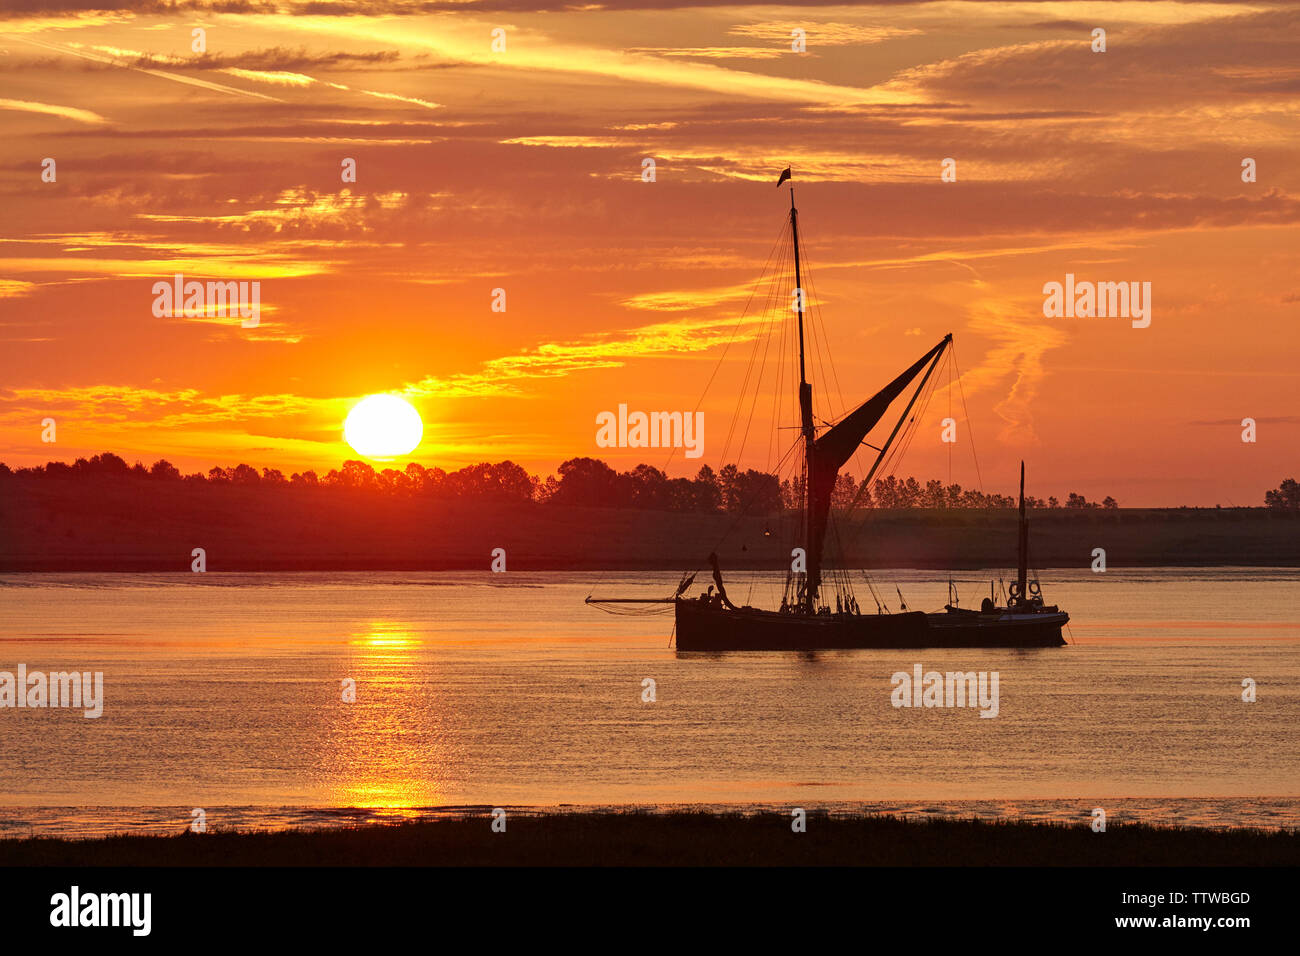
(1022, 572)
(805, 414)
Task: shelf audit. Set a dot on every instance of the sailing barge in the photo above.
(805, 619)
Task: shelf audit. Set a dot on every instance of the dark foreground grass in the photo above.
(678, 839)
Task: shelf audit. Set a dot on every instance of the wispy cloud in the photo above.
(67, 112)
(1014, 366)
(504, 375)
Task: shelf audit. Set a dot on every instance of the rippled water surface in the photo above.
(223, 691)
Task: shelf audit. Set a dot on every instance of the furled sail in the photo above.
(835, 447)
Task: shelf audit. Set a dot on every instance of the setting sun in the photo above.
(383, 426)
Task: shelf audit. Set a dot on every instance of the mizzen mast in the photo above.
(805, 413)
(1022, 549)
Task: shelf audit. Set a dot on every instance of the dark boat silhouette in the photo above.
(805, 619)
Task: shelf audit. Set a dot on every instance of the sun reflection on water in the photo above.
(386, 750)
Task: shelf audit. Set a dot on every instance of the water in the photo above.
(223, 691)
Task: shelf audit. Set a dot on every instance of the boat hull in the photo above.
(708, 627)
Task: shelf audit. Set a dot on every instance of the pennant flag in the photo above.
(784, 176)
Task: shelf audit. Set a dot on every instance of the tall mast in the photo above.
(805, 407)
(798, 287)
(1022, 572)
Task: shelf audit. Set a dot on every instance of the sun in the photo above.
(383, 426)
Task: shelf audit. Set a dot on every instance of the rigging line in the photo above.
(949, 391)
(910, 428)
(773, 445)
(920, 408)
(839, 575)
(898, 452)
(717, 367)
(772, 321)
(758, 383)
(914, 424)
(744, 513)
(777, 392)
(887, 466)
(843, 405)
(820, 345)
(758, 284)
(823, 342)
(893, 459)
(904, 424)
(823, 337)
(776, 321)
(744, 387)
(970, 428)
(764, 335)
(776, 245)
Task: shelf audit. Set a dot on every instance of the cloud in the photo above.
(280, 77)
(299, 210)
(686, 299)
(78, 50)
(1013, 365)
(13, 288)
(1260, 420)
(129, 406)
(503, 375)
(822, 34)
(67, 112)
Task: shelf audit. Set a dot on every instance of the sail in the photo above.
(836, 447)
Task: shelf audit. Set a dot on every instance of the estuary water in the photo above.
(226, 692)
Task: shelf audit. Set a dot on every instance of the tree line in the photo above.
(578, 481)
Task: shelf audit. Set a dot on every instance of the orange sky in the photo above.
(521, 170)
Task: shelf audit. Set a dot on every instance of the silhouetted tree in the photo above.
(356, 475)
(845, 490)
(1285, 497)
(934, 495)
(681, 495)
(105, 465)
(750, 492)
(708, 495)
(500, 482)
(885, 492)
(649, 488)
(245, 475)
(587, 481)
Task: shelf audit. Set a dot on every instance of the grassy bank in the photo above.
(680, 838)
(153, 526)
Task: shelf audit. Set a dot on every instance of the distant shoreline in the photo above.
(150, 526)
(109, 566)
(677, 839)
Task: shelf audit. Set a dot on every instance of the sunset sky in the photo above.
(521, 169)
